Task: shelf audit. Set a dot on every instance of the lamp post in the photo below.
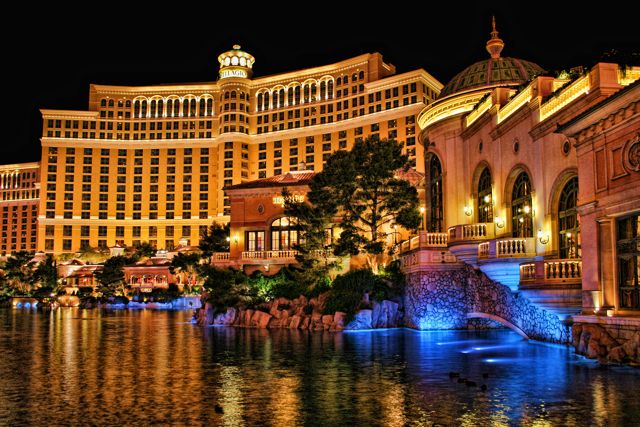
(422, 219)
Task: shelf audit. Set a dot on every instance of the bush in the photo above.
(347, 290)
(279, 285)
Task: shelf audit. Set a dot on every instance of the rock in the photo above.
(361, 320)
(593, 349)
(616, 355)
(295, 322)
(246, 320)
(261, 319)
(327, 319)
(338, 321)
(208, 314)
(306, 321)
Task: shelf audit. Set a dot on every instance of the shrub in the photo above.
(347, 290)
(279, 285)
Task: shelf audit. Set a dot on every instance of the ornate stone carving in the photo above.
(632, 154)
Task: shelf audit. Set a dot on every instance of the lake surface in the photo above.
(92, 367)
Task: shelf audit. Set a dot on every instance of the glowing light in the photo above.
(487, 198)
(233, 72)
(279, 200)
(499, 222)
(228, 239)
(527, 209)
(422, 209)
(543, 237)
(468, 210)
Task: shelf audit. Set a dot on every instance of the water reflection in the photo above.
(118, 367)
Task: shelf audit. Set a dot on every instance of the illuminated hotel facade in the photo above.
(149, 164)
(19, 200)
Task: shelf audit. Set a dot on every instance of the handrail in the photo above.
(269, 254)
(424, 239)
(479, 231)
(552, 270)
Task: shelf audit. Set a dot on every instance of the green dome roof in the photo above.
(493, 72)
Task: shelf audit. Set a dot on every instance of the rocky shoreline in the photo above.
(305, 314)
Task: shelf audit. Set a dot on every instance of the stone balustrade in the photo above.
(425, 240)
(221, 256)
(269, 254)
(552, 271)
(511, 247)
(471, 232)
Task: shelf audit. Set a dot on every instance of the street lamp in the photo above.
(422, 221)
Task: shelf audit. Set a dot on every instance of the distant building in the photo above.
(19, 201)
(149, 163)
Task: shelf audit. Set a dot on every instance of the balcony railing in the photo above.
(221, 256)
(269, 254)
(471, 232)
(552, 271)
(425, 240)
(516, 247)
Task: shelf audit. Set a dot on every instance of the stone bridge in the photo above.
(450, 298)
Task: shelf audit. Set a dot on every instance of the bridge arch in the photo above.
(476, 315)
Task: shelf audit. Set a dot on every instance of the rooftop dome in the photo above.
(493, 72)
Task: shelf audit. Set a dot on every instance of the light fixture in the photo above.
(487, 198)
(468, 210)
(527, 209)
(235, 239)
(542, 237)
(499, 222)
(228, 239)
(422, 209)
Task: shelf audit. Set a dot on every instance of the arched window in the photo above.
(276, 99)
(521, 213)
(266, 101)
(169, 107)
(103, 102)
(323, 90)
(209, 106)
(485, 202)
(339, 81)
(281, 97)
(284, 234)
(290, 96)
(153, 108)
(136, 108)
(111, 103)
(143, 110)
(434, 194)
(259, 107)
(568, 225)
(226, 95)
(306, 93)
(361, 75)
(192, 107)
(160, 107)
(296, 94)
(354, 77)
(345, 80)
(314, 92)
(203, 108)
(330, 89)
(234, 95)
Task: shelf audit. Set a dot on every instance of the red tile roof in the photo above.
(292, 178)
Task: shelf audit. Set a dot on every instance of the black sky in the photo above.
(52, 58)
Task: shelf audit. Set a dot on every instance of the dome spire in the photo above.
(495, 43)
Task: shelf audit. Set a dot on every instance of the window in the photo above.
(485, 202)
(568, 225)
(434, 198)
(284, 234)
(254, 241)
(628, 257)
(521, 215)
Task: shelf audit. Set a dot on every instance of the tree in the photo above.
(214, 239)
(315, 247)
(362, 186)
(111, 277)
(224, 287)
(185, 263)
(145, 250)
(19, 272)
(45, 276)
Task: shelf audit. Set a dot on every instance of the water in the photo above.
(91, 367)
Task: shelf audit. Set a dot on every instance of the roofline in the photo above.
(27, 165)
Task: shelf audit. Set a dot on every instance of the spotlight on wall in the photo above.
(499, 222)
(235, 239)
(468, 210)
(542, 237)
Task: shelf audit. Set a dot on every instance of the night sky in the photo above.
(51, 60)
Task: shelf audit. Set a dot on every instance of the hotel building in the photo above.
(19, 200)
(150, 163)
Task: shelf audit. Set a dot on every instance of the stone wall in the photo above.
(610, 340)
(446, 300)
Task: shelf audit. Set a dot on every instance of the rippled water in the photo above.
(75, 367)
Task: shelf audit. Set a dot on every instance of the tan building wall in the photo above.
(19, 200)
(149, 163)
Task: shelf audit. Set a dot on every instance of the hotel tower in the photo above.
(149, 163)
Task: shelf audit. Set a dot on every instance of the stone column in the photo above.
(606, 260)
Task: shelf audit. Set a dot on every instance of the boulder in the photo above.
(616, 355)
(261, 319)
(306, 321)
(361, 320)
(208, 314)
(327, 319)
(338, 321)
(295, 322)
